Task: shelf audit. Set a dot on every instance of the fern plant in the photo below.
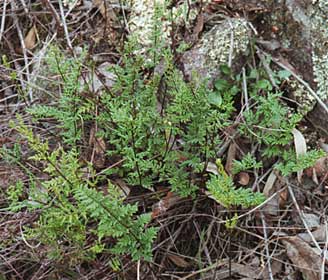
(115, 219)
(270, 123)
(247, 162)
(292, 164)
(68, 203)
(223, 190)
(164, 128)
(72, 110)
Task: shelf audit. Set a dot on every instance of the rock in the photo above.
(300, 27)
(143, 15)
(312, 220)
(319, 28)
(221, 45)
(312, 44)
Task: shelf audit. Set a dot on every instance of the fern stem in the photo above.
(135, 155)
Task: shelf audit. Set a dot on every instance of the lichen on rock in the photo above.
(145, 13)
(319, 40)
(221, 45)
(141, 20)
(319, 26)
(311, 41)
(305, 101)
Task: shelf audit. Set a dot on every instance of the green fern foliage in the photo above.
(271, 123)
(293, 164)
(248, 162)
(164, 128)
(68, 203)
(72, 110)
(116, 219)
(223, 190)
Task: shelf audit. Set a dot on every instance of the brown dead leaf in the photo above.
(283, 198)
(106, 11)
(178, 261)
(312, 220)
(245, 270)
(199, 25)
(124, 189)
(276, 267)
(271, 208)
(300, 148)
(272, 185)
(9, 175)
(231, 156)
(243, 178)
(6, 140)
(30, 39)
(98, 145)
(164, 204)
(303, 256)
(268, 188)
(286, 63)
(319, 169)
(319, 235)
(109, 76)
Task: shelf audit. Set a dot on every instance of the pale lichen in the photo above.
(305, 101)
(315, 27)
(226, 40)
(221, 45)
(141, 22)
(147, 15)
(319, 31)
